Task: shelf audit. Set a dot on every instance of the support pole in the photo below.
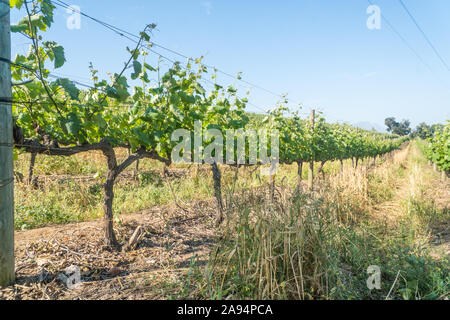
(6, 154)
(311, 163)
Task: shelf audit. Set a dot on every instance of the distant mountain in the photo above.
(370, 126)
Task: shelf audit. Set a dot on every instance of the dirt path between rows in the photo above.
(419, 179)
(391, 211)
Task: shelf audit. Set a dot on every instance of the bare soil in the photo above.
(173, 237)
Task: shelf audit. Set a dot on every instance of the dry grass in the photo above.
(297, 246)
(318, 246)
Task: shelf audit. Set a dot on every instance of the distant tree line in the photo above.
(403, 128)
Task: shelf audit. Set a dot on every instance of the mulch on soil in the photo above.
(173, 237)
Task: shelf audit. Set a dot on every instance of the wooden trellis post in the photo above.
(6, 153)
(311, 163)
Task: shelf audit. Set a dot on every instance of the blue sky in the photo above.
(320, 52)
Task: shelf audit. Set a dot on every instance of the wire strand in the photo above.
(424, 35)
(6, 182)
(128, 34)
